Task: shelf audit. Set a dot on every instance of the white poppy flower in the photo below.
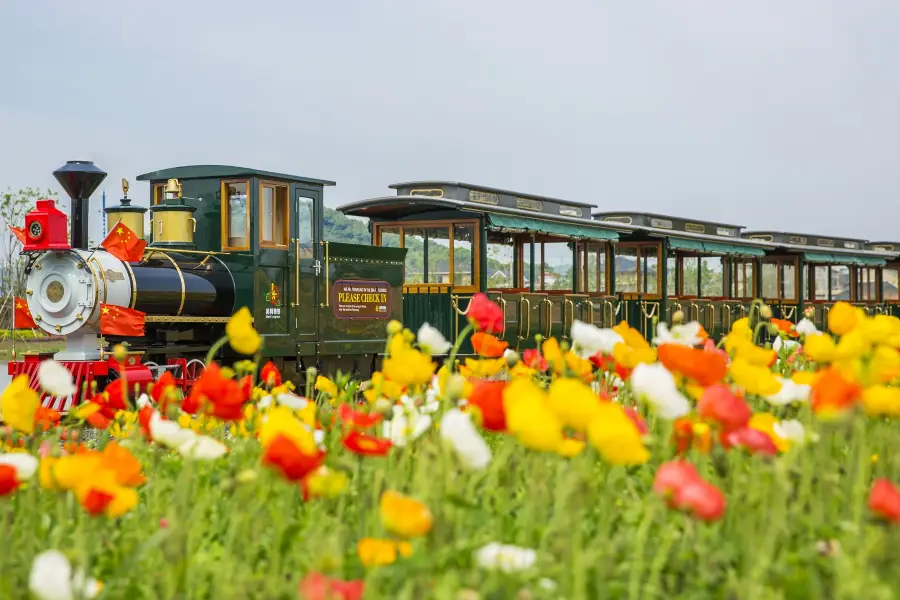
(25, 464)
(52, 578)
(265, 402)
(655, 385)
(806, 327)
(686, 334)
(292, 401)
(458, 431)
(407, 424)
(203, 447)
(791, 430)
(590, 339)
(779, 343)
(142, 401)
(432, 340)
(169, 433)
(506, 558)
(55, 379)
(789, 392)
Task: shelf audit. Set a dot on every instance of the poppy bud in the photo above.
(119, 353)
(512, 358)
(456, 387)
(765, 311)
(394, 327)
(678, 317)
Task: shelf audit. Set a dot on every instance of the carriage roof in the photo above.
(225, 172)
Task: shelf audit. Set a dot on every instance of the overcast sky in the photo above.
(768, 114)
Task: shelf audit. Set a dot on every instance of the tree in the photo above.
(14, 205)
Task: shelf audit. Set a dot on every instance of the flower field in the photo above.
(601, 466)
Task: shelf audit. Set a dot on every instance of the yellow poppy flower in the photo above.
(326, 483)
(404, 516)
(282, 421)
(754, 379)
(241, 334)
(482, 368)
(766, 422)
(616, 436)
(819, 347)
(408, 367)
(573, 402)
(881, 400)
(18, 404)
(529, 418)
(569, 448)
(378, 553)
(326, 386)
(843, 318)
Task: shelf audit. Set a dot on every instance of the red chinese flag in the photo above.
(19, 233)
(124, 244)
(118, 320)
(23, 316)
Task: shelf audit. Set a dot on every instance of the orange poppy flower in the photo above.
(163, 391)
(487, 345)
(216, 395)
(404, 516)
(832, 394)
(269, 375)
(706, 368)
(784, 326)
(367, 445)
(358, 418)
(45, 418)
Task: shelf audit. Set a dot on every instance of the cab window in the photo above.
(743, 276)
(273, 209)
(159, 193)
(501, 261)
(637, 269)
(235, 221)
(592, 268)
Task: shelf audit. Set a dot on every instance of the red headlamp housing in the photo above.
(46, 228)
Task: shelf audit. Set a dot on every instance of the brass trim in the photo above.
(327, 278)
(168, 319)
(96, 291)
(296, 300)
(133, 284)
(178, 251)
(102, 276)
(180, 276)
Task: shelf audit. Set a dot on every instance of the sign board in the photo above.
(353, 299)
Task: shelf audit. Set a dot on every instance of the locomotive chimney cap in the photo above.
(79, 178)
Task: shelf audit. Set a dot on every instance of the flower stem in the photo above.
(215, 348)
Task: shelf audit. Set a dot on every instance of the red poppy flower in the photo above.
(292, 461)
(487, 345)
(367, 445)
(316, 586)
(144, 416)
(358, 418)
(684, 489)
(217, 395)
(487, 396)
(163, 390)
(98, 420)
(636, 418)
(96, 501)
(605, 362)
(884, 500)
(9, 481)
(484, 314)
(533, 359)
(687, 434)
(719, 404)
(752, 440)
(269, 375)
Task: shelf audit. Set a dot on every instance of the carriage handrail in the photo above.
(567, 302)
(526, 320)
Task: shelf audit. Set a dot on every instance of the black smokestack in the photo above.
(79, 179)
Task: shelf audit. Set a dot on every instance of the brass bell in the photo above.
(125, 187)
(173, 188)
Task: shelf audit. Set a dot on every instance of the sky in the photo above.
(772, 115)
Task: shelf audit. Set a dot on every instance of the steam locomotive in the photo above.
(222, 238)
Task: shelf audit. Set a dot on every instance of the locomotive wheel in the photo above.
(194, 368)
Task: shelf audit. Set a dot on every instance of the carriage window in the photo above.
(866, 284)
(626, 260)
(306, 221)
(788, 281)
(690, 276)
(742, 276)
(438, 255)
(159, 193)
(391, 237)
(557, 263)
(501, 256)
(890, 284)
(236, 226)
(414, 240)
(592, 268)
(650, 271)
(671, 276)
(770, 280)
(840, 283)
(817, 283)
(274, 209)
(464, 254)
(712, 277)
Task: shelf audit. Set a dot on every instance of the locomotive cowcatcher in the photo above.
(221, 238)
